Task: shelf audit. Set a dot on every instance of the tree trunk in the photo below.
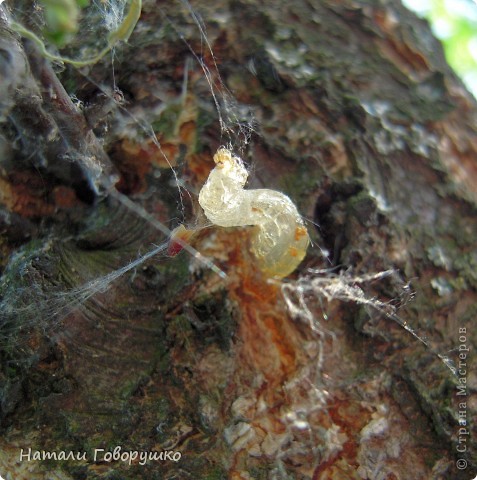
(359, 120)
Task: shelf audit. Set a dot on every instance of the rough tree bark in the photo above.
(359, 119)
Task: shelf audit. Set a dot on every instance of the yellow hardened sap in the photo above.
(280, 239)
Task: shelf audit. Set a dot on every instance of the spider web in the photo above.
(23, 306)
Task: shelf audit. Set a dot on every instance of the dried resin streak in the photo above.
(280, 238)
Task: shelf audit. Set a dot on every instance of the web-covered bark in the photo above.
(359, 120)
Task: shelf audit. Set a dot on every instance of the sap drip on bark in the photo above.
(280, 239)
